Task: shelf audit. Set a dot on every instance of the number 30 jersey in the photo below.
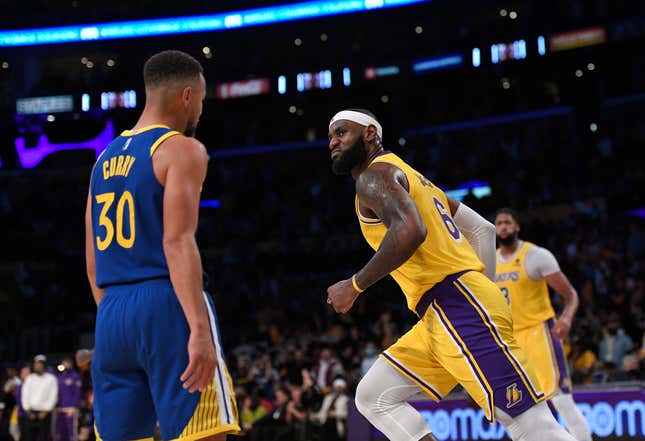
(445, 251)
(127, 209)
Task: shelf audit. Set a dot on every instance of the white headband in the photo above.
(359, 118)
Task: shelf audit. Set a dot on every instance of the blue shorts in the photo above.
(140, 352)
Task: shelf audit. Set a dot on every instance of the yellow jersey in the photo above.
(529, 299)
(444, 252)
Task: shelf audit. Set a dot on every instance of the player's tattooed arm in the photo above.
(383, 192)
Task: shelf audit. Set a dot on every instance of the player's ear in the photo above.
(186, 94)
(369, 134)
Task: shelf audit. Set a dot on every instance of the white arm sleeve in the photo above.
(540, 263)
(480, 234)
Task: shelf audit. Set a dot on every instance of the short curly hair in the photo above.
(170, 66)
(512, 213)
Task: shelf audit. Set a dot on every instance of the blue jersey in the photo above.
(127, 209)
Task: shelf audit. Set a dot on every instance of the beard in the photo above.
(352, 157)
(508, 240)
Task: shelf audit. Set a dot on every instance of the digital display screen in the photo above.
(508, 51)
(44, 104)
(239, 89)
(115, 100)
(313, 80)
(576, 39)
(372, 72)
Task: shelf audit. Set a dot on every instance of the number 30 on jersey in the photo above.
(107, 199)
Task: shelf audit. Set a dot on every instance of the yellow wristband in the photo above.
(356, 287)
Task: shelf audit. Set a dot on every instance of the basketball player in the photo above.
(157, 355)
(464, 334)
(523, 272)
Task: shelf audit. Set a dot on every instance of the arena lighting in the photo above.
(196, 23)
(210, 203)
(639, 212)
(282, 84)
(85, 102)
(476, 57)
(438, 63)
(347, 76)
(479, 189)
(30, 157)
(541, 45)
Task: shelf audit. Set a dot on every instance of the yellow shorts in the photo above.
(466, 337)
(546, 355)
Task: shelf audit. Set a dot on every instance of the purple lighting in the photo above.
(32, 156)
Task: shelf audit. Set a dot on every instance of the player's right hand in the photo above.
(342, 295)
(202, 362)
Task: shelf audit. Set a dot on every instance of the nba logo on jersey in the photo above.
(127, 144)
(513, 395)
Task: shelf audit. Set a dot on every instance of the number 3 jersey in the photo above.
(445, 251)
(522, 280)
(127, 209)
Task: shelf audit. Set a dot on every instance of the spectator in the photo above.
(273, 427)
(297, 416)
(328, 368)
(333, 413)
(311, 393)
(294, 367)
(86, 418)
(69, 397)
(251, 412)
(615, 344)
(39, 396)
(12, 380)
(4, 424)
(21, 414)
(583, 360)
(370, 356)
(264, 375)
(9, 401)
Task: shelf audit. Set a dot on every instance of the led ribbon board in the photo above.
(198, 23)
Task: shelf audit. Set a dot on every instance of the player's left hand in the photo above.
(561, 328)
(342, 295)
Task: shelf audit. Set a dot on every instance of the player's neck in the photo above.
(153, 116)
(509, 250)
(356, 172)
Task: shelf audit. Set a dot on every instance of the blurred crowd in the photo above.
(43, 402)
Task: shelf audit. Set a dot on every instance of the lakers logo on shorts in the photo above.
(565, 383)
(513, 395)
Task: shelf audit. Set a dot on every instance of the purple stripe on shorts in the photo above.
(427, 298)
(470, 362)
(505, 347)
(565, 381)
(510, 392)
